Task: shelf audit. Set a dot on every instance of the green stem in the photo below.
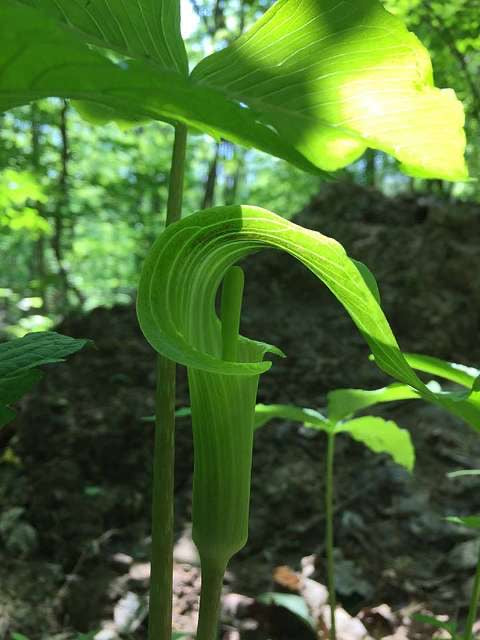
(329, 532)
(212, 581)
(472, 612)
(231, 309)
(160, 610)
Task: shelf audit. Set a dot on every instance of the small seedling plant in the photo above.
(314, 82)
(379, 435)
(383, 436)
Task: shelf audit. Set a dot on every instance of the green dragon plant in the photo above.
(313, 82)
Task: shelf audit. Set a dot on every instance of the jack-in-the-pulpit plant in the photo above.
(177, 313)
(315, 82)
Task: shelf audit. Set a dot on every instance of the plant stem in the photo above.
(472, 612)
(329, 532)
(160, 609)
(212, 581)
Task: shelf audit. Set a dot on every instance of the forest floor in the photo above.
(75, 475)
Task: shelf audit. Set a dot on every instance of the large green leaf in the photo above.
(337, 77)
(148, 30)
(315, 83)
(39, 57)
(19, 359)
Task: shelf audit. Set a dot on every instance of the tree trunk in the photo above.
(38, 265)
(62, 210)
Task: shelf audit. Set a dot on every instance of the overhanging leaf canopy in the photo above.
(315, 83)
(147, 30)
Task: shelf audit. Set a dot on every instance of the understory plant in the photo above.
(384, 436)
(19, 362)
(379, 435)
(313, 82)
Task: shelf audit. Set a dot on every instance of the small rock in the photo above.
(236, 606)
(121, 560)
(185, 551)
(348, 628)
(128, 613)
(140, 572)
(308, 566)
(315, 595)
(106, 634)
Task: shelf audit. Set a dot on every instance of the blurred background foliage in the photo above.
(79, 205)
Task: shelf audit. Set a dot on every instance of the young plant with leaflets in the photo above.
(313, 82)
(384, 436)
(379, 435)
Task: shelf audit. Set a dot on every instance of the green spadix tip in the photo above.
(231, 309)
